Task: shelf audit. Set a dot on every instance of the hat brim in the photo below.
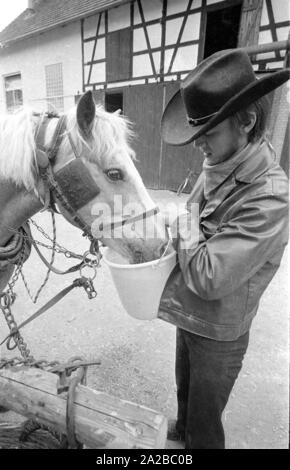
(176, 130)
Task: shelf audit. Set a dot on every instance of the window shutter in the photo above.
(250, 22)
(119, 54)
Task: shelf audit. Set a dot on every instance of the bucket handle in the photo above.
(166, 249)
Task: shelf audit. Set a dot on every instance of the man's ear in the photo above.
(86, 111)
(251, 123)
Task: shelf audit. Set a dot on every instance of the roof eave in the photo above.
(4, 44)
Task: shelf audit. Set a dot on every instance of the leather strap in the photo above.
(45, 307)
(46, 157)
(73, 269)
(128, 219)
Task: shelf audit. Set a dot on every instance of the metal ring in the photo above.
(91, 267)
(5, 300)
(70, 424)
(86, 253)
(10, 348)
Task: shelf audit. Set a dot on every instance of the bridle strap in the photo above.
(130, 219)
(46, 171)
(47, 175)
(53, 149)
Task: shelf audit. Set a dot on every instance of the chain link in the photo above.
(6, 300)
(35, 297)
(57, 247)
(17, 361)
(8, 297)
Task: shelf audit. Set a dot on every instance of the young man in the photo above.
(213, 293)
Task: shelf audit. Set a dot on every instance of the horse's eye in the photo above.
(115, 174)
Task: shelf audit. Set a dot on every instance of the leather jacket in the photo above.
(215, 288)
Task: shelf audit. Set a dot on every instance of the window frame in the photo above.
(17, 103)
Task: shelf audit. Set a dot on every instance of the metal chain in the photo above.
(17, 361)
(58, 248)
(6, 300)
(35, 297)
(5, 303)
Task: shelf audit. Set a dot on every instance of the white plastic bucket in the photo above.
(139, 286)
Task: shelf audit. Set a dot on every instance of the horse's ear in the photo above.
(86, 111)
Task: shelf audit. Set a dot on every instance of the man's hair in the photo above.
(261, 108)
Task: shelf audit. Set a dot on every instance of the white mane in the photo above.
(17, 148)
(111, 133)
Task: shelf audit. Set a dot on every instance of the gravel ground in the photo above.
(137, 357)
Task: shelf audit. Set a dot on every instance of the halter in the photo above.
(58, 186)
(59, 183)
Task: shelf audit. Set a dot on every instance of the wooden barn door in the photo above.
(143, 106)
(176, 161)
(99, 97)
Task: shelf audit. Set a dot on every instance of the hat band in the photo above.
(199, 121)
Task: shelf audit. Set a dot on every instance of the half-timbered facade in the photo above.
(133, 54)
(148, 41)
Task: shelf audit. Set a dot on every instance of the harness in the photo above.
(59, 184)
(72, 185)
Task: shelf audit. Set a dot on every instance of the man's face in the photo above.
(218, 144)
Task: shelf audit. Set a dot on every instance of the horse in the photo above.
(87, 157)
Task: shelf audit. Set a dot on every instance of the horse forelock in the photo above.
(111, 136)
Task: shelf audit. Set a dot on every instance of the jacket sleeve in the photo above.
(244, 243)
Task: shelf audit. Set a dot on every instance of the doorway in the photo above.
(113, 101)
(222, 28)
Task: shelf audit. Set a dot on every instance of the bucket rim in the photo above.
(137, 265)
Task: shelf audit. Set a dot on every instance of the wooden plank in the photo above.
(94, 48)
(163, 35)
(143, 105)
(177, 160)
(268, 47)
(272, 26)
(101, 420)
(146, 37)
(177, 45)
(250, 22)
(83, 55)
(202, 31)
(119, 55)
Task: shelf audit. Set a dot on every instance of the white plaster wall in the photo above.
(29, 57)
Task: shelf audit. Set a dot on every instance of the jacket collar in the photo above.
(251, 169)
(251, 162)
(241, 165)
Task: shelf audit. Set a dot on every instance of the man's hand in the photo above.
(185, 232)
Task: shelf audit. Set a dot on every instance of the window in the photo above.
(13, 92)
(54, 87)
(113, 102)
(222, 29)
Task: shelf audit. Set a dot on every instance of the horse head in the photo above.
(94, 162)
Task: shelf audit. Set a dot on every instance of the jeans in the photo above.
(206, 371)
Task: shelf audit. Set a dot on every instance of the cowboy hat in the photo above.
(218, 87)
